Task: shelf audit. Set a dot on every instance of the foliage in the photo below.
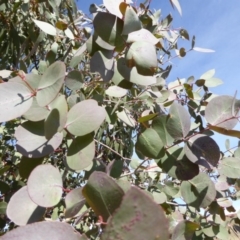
(80, 97)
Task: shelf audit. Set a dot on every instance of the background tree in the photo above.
(80, 98)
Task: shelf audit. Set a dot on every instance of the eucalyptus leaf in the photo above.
(230, 167)
(22, 210)
(53, 229)
(131, 21)
(178, 123)
(219, 112)
(142, 55)
(16, 99)
(102, 194)
(137, 213)
(85, 117)
(150, 144)
(32, 142)
(46, 27)
(44, 185)
(51, 83)
(199, 191)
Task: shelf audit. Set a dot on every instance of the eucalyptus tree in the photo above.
(95, 143)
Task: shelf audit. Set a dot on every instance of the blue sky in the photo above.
(215, 24)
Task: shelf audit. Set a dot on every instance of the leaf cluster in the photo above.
(80, 98)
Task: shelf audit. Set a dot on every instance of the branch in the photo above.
(104, 145)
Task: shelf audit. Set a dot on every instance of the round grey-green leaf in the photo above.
(199, 191)
(22, 210)
(31, 141)
(51, 83)
(142, 55)
(45, 185)
(15, 100)
(81, 153)
(202, 149)
(85, 117)
(230, 167)
(178, 123)
(74, 202)
(74, 80)
(150, 144)
(219, 112)
(43, 230)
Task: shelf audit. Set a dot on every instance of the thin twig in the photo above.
(104, 145)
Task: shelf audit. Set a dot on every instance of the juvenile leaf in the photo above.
(15, 100)
(199, 191)
(46, 27)
(159, 197)
(142, 35)
(31, 141)
(126, 117)
(5, 73)
(182, 52)
(102, 62)
(131, 21)
(51, 83)
(36, 113)
(159, 125)
(22, 210)
(74, 80)
(31, 81)
(45, 185)
(43, 230)
(85, 117)
(213, 82)
(103, 194)
(184, 33)
(113, 7)
(142, 55)
(177, 165)
(69, 33)
(224, 131)
(147, 117)
(219, 112)
(184, 230)
(202, 149)
(81, 50)
(193, 41)
(57, 117)
(137, 213)
(230, 167)
(207, 75)
(115, 91)
(74, 202)
(200, 82)
(177, 5)
(204, 50)
(137, 78)
(109, 28)
(178, 124)
(224, 202)
(150, 144)
(80, 153)
(62, 25)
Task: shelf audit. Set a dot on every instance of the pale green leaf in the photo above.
(15, 100)
(51, 83)
(85, 117)
(46, 27)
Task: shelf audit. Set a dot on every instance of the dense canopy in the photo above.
(96, 142)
